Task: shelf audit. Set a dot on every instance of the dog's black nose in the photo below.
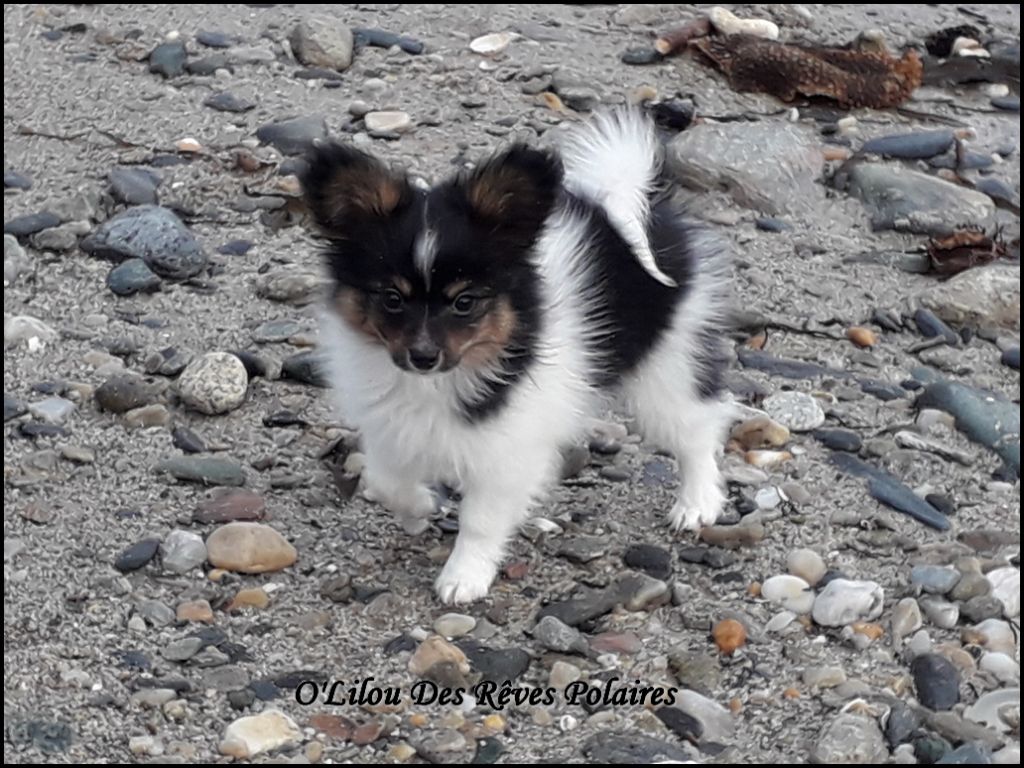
(424, 359)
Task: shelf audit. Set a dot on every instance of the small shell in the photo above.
(728, 23)
(189, 145)
(492, 44)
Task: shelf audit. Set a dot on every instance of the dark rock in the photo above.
(379, 38)
(168, 59)
(488, 750)
(901, 725)
(33, 429)
(235, 247)
(674, 114)
(936, 680)
(13, 407)
(153, 234)
(909, 146)
(133, 660)
(215, 39)
(137, 555)
(228, 102)
(15, 180)
(942, 503)
(204, 470)
(967, 754)
(1007, 103)
(1011, 357)
(984, 418)
(657, 472)
(771, 224)
(242, 698)
(284, 418)
(890, 491)
(654, 561)
(48, 736)
(294, 136)
(640, 56)
(255, 366)
(981, 607)
(686, 727)
(134, 186)
(839, 439)
(717, 558)
(929, 749)
(131, 277)
(940, 42)
(631, 748)
(787, 369)
(306, 367)
(401, 644)
(883, 390)
(186, 440)
(899, 198)
(592, 603)
(265, 690)
(31, 223)
(931, 327)
(126, 391)
(496, 664)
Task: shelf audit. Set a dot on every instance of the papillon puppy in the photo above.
(474, 329)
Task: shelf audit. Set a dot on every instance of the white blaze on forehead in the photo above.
(425, 249)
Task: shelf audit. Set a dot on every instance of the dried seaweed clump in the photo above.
(854, 78)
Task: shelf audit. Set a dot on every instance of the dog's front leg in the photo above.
(496, 501)
(399, 488)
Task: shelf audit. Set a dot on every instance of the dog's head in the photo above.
(441, 278)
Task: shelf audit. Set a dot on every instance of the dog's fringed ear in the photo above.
(341, 184)
(518, 186)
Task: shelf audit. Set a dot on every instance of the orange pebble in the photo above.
(729, 635)
(872, 631)
(791, 693)
(754, 590)
(735, 705)
(861, 336)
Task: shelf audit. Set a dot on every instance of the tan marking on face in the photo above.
(482, 343)
(404, 286)
(353, 307)
(455, 289)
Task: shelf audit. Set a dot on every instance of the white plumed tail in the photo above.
(614, 161)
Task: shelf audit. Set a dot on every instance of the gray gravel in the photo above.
(109, 651)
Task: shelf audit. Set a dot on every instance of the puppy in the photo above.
(475, 327)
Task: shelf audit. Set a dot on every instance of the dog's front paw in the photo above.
(465, 579)
(695, 510)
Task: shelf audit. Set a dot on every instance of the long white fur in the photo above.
(413, 434)
(614, 161)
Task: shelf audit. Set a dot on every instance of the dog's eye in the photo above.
(392, 300)
(463, 304)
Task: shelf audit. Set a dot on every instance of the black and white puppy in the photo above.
(475, 328)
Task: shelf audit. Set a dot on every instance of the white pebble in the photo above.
(807, 564)
(844, 601)
(791, 592)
